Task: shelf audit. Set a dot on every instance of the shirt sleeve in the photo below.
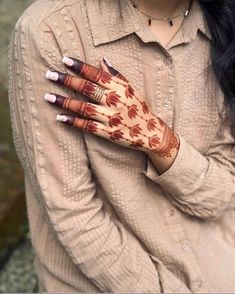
(55, 160)
(201, 185)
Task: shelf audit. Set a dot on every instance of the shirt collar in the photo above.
(108, 23)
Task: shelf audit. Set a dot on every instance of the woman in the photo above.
(139, 197)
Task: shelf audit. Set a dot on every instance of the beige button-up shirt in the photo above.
(101, 217)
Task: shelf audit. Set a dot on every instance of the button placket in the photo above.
(168, 100)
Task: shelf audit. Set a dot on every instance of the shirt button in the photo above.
(168, 61)
(166, 103)
(185, 247)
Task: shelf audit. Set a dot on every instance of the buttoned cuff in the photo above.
(185, 175)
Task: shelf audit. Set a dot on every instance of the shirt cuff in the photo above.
(185, 175)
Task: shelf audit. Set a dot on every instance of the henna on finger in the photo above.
(83, 124)
(88, 88)
(81, 107)
(113, 71)
(89, 71)
(74, 121)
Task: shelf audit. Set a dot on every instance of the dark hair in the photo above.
(220, 18)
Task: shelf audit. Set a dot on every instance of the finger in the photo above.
(81, 107)
(87, 88)
(83, 124)
(110, 69)
(92, 73)
(92, 127)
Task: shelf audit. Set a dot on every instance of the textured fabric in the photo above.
(101, 217)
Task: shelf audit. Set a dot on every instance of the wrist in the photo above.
(168, 142)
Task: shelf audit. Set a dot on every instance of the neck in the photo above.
(162, 8)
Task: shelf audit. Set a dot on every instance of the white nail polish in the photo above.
(62, 118)
(51, 75)
(49, 97)
(109, 64)
(68, 61)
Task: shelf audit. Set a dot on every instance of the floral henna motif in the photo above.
(145, 107)
(154, 141)
(135, 131)
(116, 135)
(105, 77)
(91, 126)
(132, 111)
(115, 120)
(89, 89)
(90, 109)
(151, 124)
(112, 98)
(138, 143)
(129, 91)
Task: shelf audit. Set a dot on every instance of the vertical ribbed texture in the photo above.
(139, 232)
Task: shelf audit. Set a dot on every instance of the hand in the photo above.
(119, 113)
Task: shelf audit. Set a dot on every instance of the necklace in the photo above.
(168, 19)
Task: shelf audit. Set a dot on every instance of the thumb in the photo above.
(107, 67)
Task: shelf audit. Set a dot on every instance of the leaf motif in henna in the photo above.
(92, 127)
(115, 120)
(151, 124)
(129, 91)
(145, 108)
(106, 77)
(90, 110)
(135, 131)
(112, 98)
(154, 141)
(132, 111)
(89, 88)
(137, 143)
(116, 135)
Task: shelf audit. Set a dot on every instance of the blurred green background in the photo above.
(16, 256)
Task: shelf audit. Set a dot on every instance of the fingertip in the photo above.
(68, 61)
(61, 118)
(52, 75)
(106, 62)
(50, 97)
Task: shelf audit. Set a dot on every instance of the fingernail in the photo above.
(66, 118)
(49, 97)
(68, 61)
(107, 62)
(51, 75)
(62, 118)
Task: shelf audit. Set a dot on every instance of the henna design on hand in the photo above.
(125, 116)
(135, 131)
(168, 143)
(132, 111)
(112, 98)
(115, 120)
